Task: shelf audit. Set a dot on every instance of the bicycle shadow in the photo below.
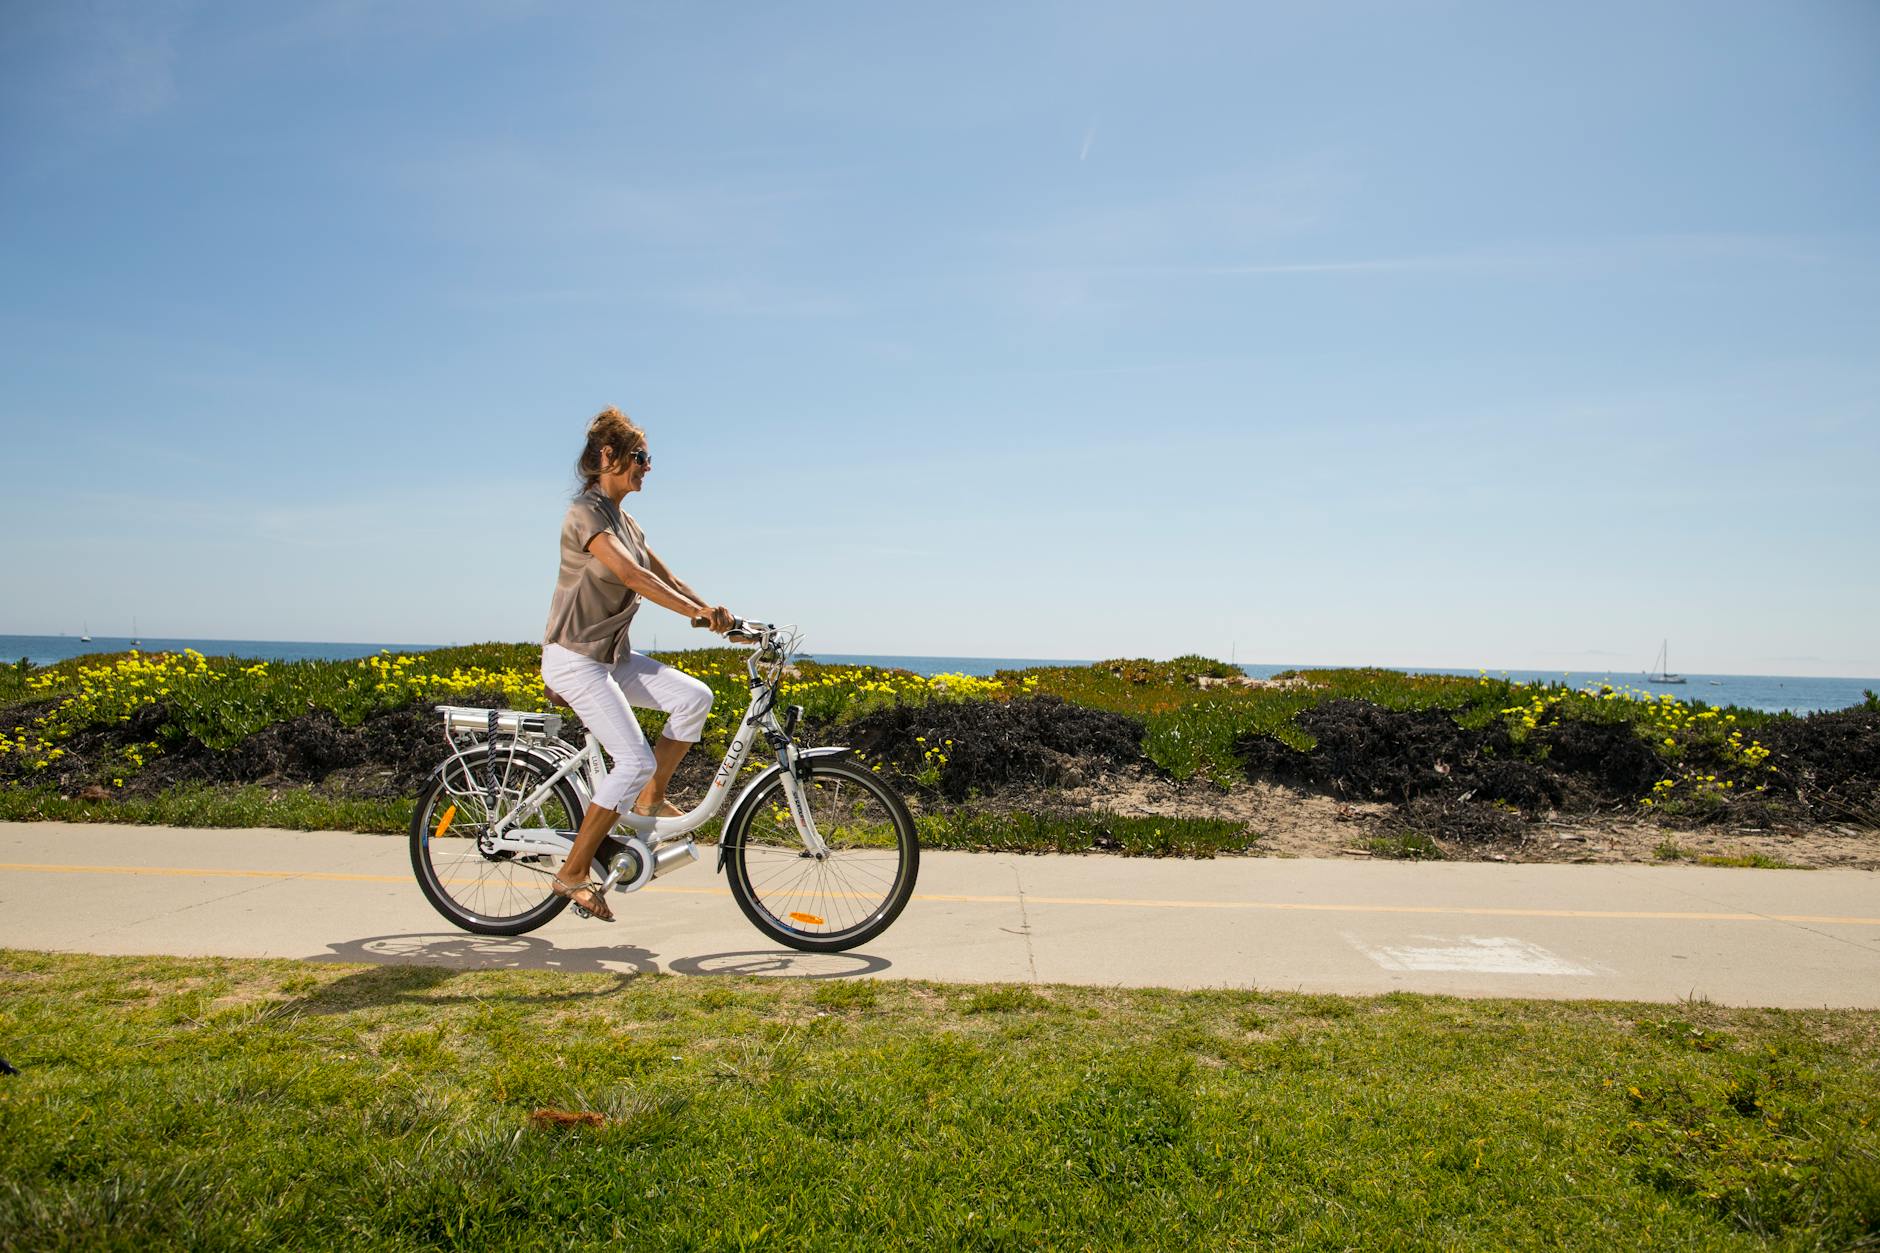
(409, 968)
(458, 950)
(782, 963)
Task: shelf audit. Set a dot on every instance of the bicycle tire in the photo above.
(455, 875)
(866, 881)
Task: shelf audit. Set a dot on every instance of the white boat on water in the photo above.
(1661, 669)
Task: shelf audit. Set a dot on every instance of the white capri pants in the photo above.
(604, 696)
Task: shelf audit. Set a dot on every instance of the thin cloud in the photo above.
(1319, 267)
(502, 191)
(749, 300)
(1593, 254)
(1230, 213)
(1090, 137)
(485, 300)
(265, 30)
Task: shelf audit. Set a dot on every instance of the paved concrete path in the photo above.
(1656, 933)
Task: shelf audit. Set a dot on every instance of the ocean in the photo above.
(1771, 692)
(43, 650)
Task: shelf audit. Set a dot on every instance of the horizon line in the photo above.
(1407, 668)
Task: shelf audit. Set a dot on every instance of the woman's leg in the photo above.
(595, 824)
(667, 754)
(592, 692)
(658, 686)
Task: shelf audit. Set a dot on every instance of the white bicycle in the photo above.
(820, 854)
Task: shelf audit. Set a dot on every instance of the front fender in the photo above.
(807, 759)
(805, 766)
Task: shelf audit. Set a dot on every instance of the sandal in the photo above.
(592, 905)
(666, 810)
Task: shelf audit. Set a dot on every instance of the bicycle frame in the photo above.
(585, 766)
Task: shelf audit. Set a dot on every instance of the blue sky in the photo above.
(1511, 335)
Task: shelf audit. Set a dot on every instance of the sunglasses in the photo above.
(640, 455)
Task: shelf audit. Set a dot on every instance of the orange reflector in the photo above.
(811, 919)
(443, 824)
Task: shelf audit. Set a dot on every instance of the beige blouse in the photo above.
(591, 609)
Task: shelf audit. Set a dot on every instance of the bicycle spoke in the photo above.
(840, 892)
(491, 885)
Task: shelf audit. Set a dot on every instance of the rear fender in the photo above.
(547, 762)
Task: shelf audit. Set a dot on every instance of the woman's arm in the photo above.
(610, 552)
(719, 615)
(664, 571)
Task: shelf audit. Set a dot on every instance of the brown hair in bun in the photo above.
(610, 431)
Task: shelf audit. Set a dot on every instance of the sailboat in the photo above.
(84, 636)
(135, 641)
(1660, 672)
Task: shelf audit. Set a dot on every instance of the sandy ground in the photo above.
(1300, 824)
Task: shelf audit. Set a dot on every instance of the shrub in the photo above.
(983, 746)
(1184, 669)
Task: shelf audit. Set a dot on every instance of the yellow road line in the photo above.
(205, 872)
(1482, 911)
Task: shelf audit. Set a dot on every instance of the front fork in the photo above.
(785, 748)
(798, 802)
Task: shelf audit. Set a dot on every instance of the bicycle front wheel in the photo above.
(833, 903)
(479, 888)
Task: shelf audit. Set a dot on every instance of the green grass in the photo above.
(1671, 850)
(1405, 846)
(293, 809)
(306, 809)
(227, 1103)
(1754, 861)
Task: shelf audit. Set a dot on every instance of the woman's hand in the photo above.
(716, 618)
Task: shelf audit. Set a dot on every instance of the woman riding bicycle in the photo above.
(587, 663)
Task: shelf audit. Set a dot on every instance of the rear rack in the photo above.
(512, 722)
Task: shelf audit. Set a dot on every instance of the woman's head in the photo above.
(616, 448)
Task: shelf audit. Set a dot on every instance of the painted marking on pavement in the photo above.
(1467, 911)
(1470, 954)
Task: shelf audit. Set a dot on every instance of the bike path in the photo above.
(1654, 933)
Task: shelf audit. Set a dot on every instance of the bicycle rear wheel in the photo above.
(834, 903)
(485, 890)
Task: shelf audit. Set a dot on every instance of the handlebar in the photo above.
(744, 631)
(775, 644)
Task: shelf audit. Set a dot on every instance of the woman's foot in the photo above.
(665, 809)
(586, 895)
